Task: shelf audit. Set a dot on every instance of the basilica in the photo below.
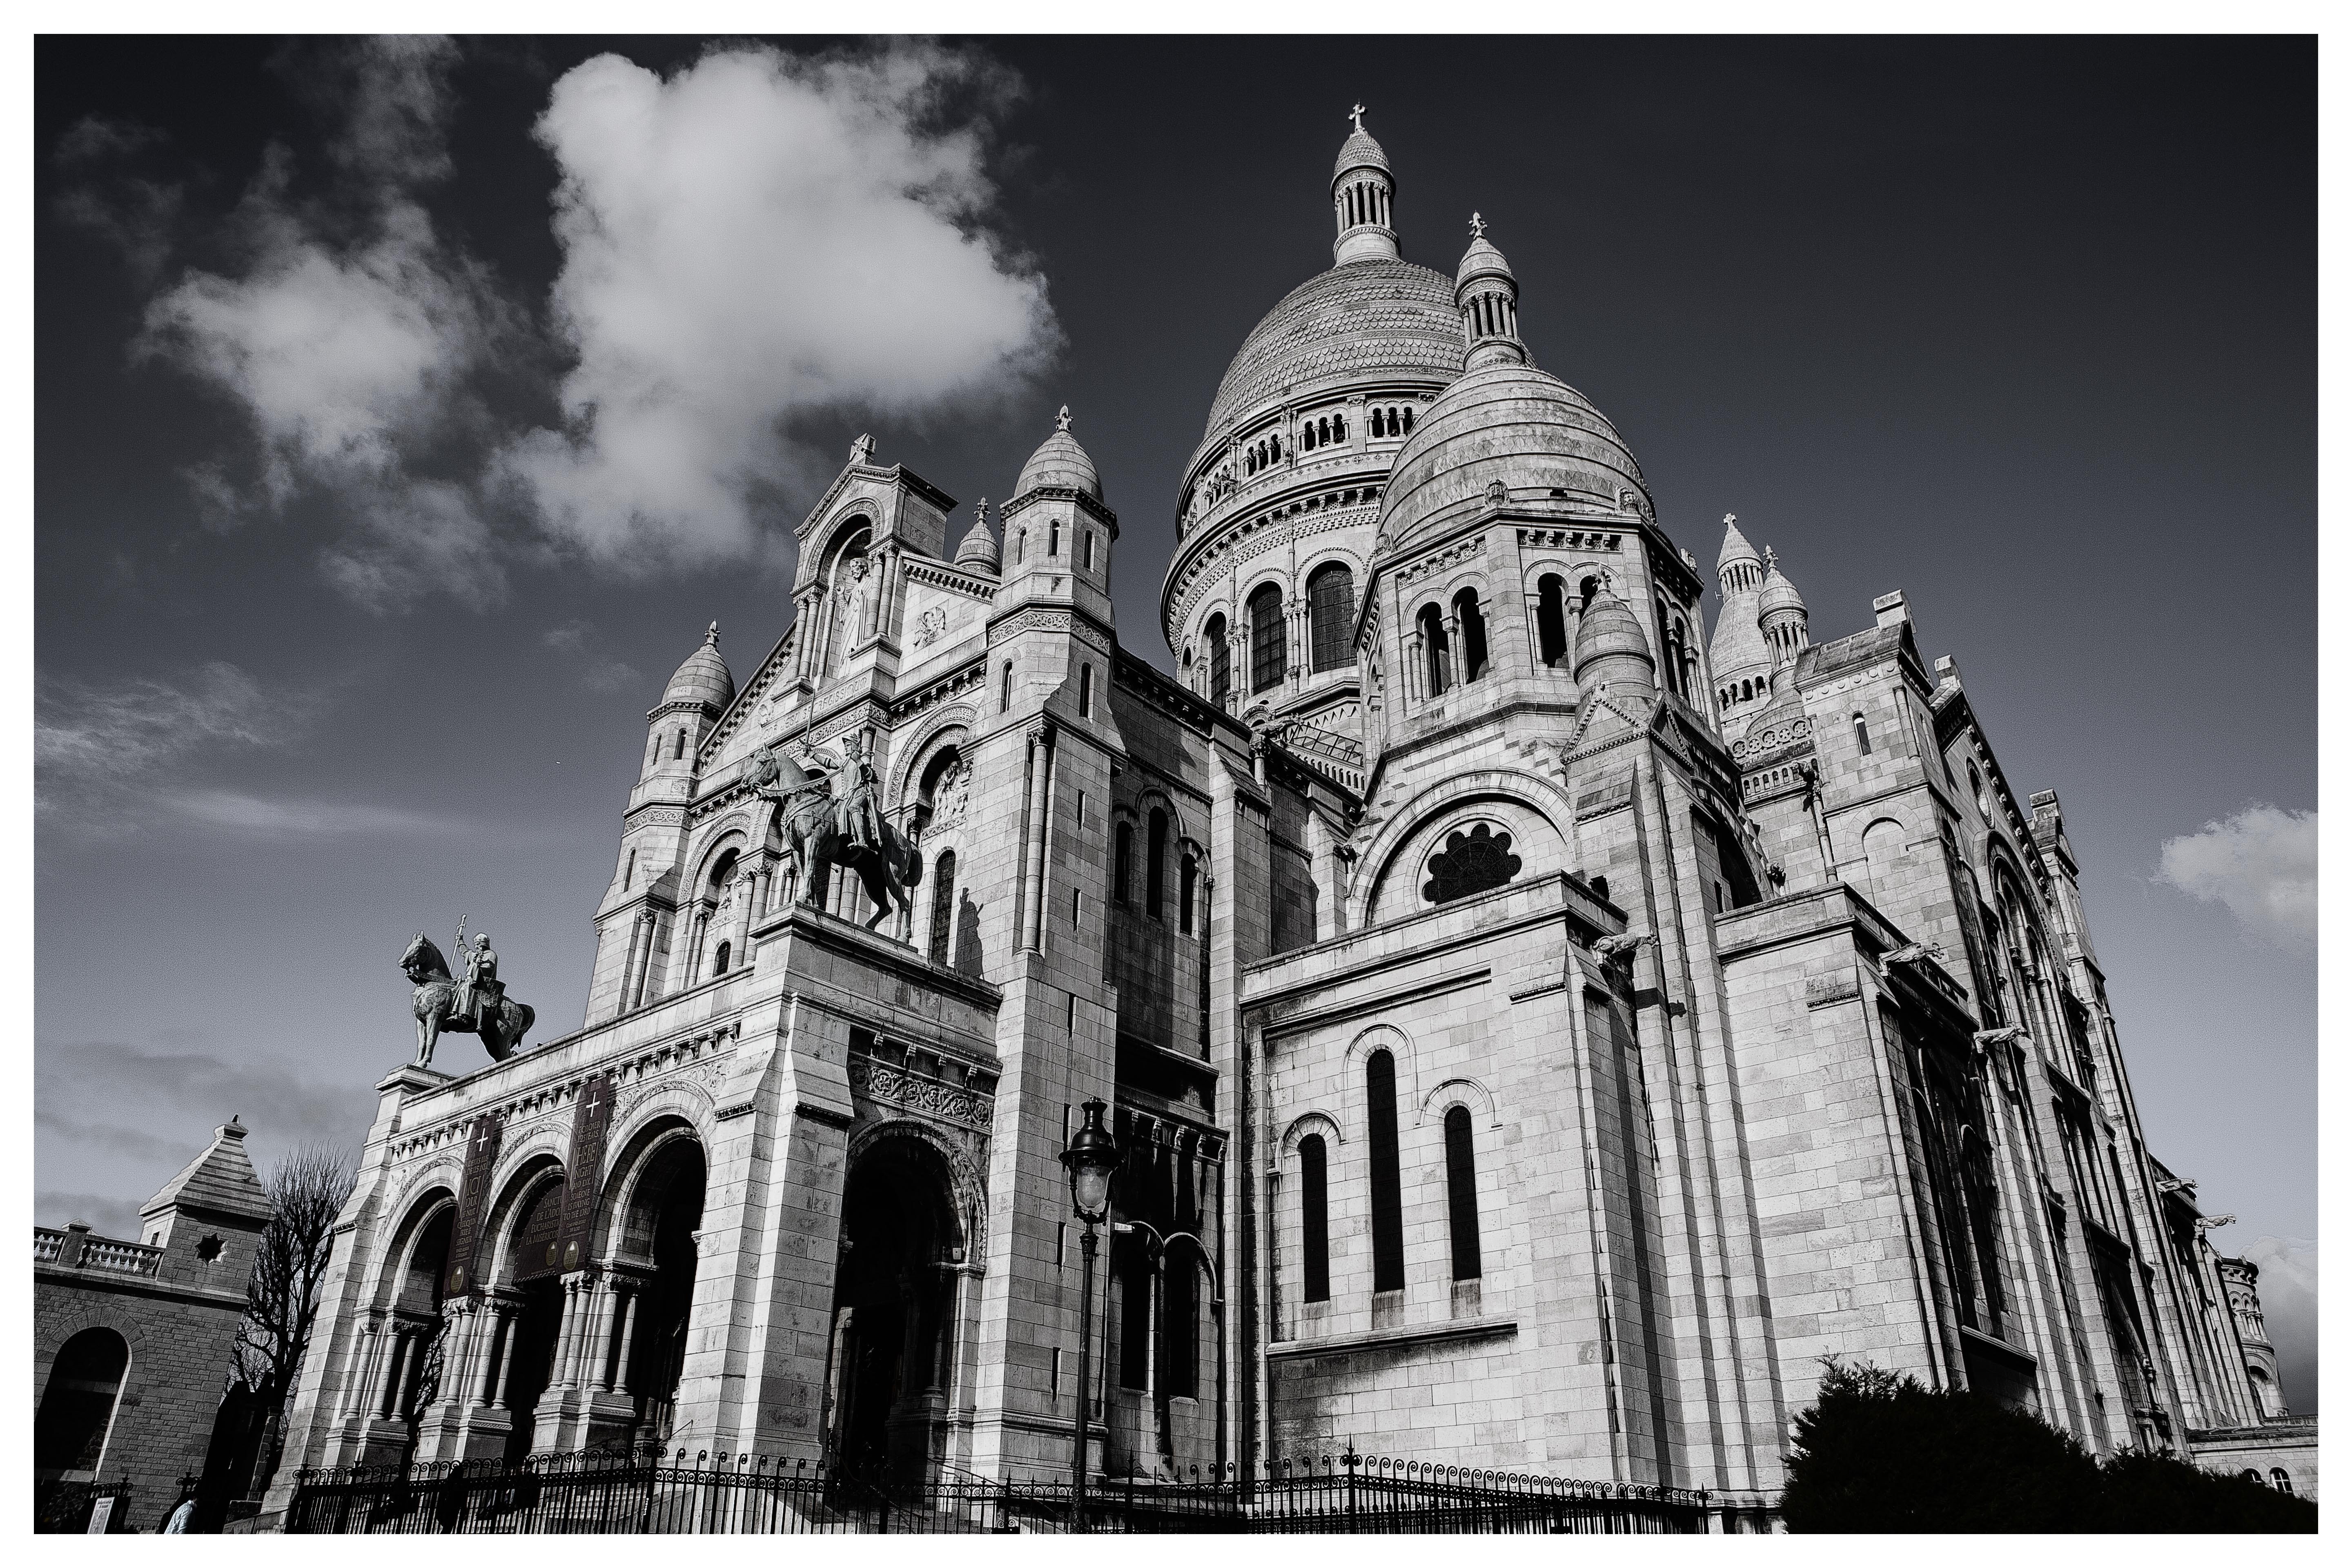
(1537, 1027)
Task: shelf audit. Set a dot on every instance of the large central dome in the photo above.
(1362, 320)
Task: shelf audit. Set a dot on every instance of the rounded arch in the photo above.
(966, 1186)
(949, 728)
(1320, 1122)
(637, 1181)
(412, 1240)
(74, 1423)
(1541, 800)
(523, 1198)
(855, 526)
(1368, 1042)
(1467, 1092)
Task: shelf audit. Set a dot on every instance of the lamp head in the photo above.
(1092, 1156)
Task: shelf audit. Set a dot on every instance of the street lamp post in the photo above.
(1091, 1159)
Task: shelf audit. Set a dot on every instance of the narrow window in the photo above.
(1379, 427)
(1267, 655)
(1020, 546)
(629, 876)
(1004, 690)
(1551, 621)
(1474, 634)
(1408, 421)
(1054, 536)
(1185, 880)
(1074, 925)
(1861, 734)
(1155, 876)
(1122, 876)
(1432, 649)
(1338, 428)
(1090, 550)
(1179, 1328)
(1086, 691)
(1314, 1219)
(1221, 662)
(943, 904)
(1330, 607)
(679, 751)
(1388, 1200)
(1135, 1314)
(719, 963)
(1462, 1194)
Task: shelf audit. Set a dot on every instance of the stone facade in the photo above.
(131, 1340)
(1538, 1032)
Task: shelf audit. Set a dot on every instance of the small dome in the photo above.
(1359, 152)
(1609, 627)
(1735, 545)
(979, 552)
(1481, 260)
(704, 678)
(1059, 461)
(1510, 422)
(1777, 594)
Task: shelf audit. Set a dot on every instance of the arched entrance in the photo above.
(415, 1380)
(891, 1372)
(78, 1405)
(533, 1300)
(653, 1259)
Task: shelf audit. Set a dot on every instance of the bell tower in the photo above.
(1363, 197)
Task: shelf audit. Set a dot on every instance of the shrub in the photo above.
(1880, 1453)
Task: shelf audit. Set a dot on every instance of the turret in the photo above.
(1363, 193)
(1058, 533)
(209, 1218)
(1611, 650)
(979, 552)
(1488, 298)
(1780, 615)
(697, 695)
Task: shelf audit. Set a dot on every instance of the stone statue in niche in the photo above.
(1472, 861)
(955, 794)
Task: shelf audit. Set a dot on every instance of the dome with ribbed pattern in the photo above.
(1358, 322)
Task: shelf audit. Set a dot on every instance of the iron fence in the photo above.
(756, 1495)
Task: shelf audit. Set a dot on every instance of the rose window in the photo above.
(1471, 862)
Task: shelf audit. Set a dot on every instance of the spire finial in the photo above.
(1729, 518)
(1477, 226)
(980, 512)
(710, 638)
(1062, 420)
(1772, 561)
(1357, 114)
(861, 449)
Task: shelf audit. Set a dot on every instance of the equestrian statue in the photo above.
(476, 1005)
(832, 816)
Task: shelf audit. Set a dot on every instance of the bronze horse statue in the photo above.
(814, 838)
(435, 1003)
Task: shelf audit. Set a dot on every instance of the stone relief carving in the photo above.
(929, 625)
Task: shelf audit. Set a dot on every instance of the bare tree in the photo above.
(307, 1189)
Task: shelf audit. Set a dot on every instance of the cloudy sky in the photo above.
(405, 411)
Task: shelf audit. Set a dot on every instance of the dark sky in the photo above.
(2026, 329)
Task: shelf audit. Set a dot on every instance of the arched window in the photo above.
(1314, 1219)
(1155, 864)
(1330, 607)
(1090, 549)
(1267, 654)
(1551, 621)
(1338, 428)
(1861, 734)
(1086, 691)
(679, 752)
(1462, 1194)
(629, 874)
(1473, 627)
(2279, 1480)
(77, 1409)
(1432, 649)
(1388, 1200)
(1274, 448)
(1221, 660)
(1379, 424)
(718, 961)
(1020, 545)
(943, 871)
(1004, 690)
(1186, 883)
(1408, 421)
(1122, 873)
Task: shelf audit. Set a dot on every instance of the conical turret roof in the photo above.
(1359, 152)
(1735, 545)
(704, 678)
(979, 552)
(1061, 462)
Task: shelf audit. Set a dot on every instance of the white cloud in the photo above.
(85, 734)
(282, 817)
(2262, 865)
(755, 238)
(348, 338)
(602, 672)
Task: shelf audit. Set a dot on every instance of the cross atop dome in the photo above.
(1357, 114)
(710, 638)
(1477, 226)
(1062, 420)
